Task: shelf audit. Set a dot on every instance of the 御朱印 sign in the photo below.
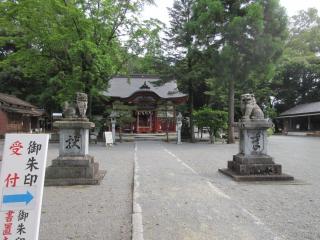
(22, 180)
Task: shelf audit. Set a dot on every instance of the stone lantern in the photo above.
(113, 119)
(179, 125)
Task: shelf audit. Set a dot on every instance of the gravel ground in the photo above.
(184, 197)
(291, 210)
(92, 212)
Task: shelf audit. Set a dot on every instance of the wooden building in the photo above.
(155, 105)
(301, 118)
(17, 115)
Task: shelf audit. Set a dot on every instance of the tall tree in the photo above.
(244, 38)
(185, 55)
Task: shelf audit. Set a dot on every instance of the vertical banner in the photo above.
(21, 184)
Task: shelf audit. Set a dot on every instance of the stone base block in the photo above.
(275, 177)
(253, 159)
(73, 170)
(76, 181)
(254, 168)
(86, 160)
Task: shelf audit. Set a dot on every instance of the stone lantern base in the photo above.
(74, 166)
(252, 163)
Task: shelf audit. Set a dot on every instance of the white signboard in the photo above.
(22, 179)
(109, 138)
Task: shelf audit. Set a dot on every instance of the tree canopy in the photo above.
(242, 39)
(54, 48)
(298, 76)
(216, 49)
(214, 120)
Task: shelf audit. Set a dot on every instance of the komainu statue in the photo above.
(250, 108)
(82, 102)
(69, 110)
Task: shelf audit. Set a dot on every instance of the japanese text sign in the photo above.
(109, 138)
(21, 184)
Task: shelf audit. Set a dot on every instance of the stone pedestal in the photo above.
(178, 128)
(179, 135)
(253, 163)
(74, 166)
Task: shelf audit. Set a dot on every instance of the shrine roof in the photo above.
(14, 100)
(124, 87)
(302, 110)
(11, 103)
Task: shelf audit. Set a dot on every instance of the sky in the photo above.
(160, 10)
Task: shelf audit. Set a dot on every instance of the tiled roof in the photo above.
(14, 100)
(307, 108)
(13, 104)
(124, 87)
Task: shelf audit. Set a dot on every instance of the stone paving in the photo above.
(183, 196)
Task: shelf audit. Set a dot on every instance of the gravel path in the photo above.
(289, 209)
(184, 197)
(92, 212)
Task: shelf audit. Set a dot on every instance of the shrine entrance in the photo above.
(151, 103)
(145, 121)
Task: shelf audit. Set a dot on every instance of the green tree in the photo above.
(244, 39)
(124, 115)
(298, 75)
(215, 120)
(67, 46)
(188, 65)
(166, 108)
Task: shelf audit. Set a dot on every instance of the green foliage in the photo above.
(124, 113)
(270, 112)
(243, 39)
(215, 120)
(51, 49)
(185, 56)
(297, 77)
(270, 131)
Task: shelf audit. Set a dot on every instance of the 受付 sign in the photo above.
(21, 184)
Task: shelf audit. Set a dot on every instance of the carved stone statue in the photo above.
(74, 165)
(82, 102)
(253, 163)
(250, 108)
(69, 111)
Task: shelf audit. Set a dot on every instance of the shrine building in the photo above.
(303, 119)
(154, 104)
(17, 115)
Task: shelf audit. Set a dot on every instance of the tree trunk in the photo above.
(191, 114)
(211, 136)
(231, 112)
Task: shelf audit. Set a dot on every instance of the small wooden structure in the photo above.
(17, 115)
(301, 118)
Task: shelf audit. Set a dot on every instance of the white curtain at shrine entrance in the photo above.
(144, 119)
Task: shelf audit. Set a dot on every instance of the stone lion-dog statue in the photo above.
(250, 108)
